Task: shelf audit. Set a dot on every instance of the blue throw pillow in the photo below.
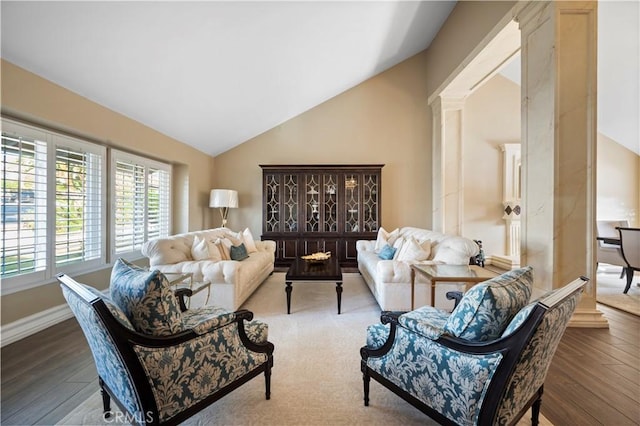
(146, 298)
(238, 252)
(387, 252)
(487, 308)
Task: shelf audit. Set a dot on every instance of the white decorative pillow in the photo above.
(398, 244)
(426, 246)
(224, 246)
(200, 249)
(411, 251)
(385, 238)
(249, 243)
(214, 250)
(236, 238)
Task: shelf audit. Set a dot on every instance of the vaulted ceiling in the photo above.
(215, 74)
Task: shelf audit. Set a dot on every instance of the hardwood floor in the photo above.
(594, 378)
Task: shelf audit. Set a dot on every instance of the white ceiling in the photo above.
(214, 74)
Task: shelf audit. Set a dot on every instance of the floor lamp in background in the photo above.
(224, 199)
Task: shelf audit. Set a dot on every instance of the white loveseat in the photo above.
(232, 281)
(390, 280)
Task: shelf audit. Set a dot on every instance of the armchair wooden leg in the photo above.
(629, 273)
(106, 400)
(267, 381)
(366, 381)
(535, 408)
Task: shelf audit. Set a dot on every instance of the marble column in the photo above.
(448, 189)
(559, 94)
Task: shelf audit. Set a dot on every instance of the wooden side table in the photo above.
(468, 274)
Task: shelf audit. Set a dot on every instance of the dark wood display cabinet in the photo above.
(311, 208)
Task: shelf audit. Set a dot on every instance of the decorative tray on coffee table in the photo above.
(318, 257)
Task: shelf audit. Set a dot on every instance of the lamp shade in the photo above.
(223, 198)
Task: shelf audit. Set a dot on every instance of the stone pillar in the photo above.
(559, 94)
(448, 190)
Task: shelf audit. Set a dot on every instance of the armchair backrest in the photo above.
(630, 246)
(607, 228)
(547, 319)
(91, 308)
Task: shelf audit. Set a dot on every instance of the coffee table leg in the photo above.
(339, 293)
(288, 289)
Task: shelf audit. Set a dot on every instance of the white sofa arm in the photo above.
(266, 245)
(365, 245)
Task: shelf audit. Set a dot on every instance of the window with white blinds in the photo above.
(141, 210)
(79, 205)
(53, 205)
(24, 203)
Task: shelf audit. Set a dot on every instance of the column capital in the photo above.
(532, 13)
(446, 103)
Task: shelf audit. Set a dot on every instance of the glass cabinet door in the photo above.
(330, 202)
(370, 202)
(321, 205)
(272, 203)
(312, 203)
(351, 203)
(290, 203)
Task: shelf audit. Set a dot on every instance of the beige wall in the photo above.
(618, 182)
(384, 120)
(33, 99)
(491, 118)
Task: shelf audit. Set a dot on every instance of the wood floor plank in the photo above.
(561, 411)
(43, 404)
(606, 385)
(67, 406)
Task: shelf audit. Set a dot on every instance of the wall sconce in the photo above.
(224, 199)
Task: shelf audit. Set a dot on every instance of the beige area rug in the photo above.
(316, 379)
(610, 287)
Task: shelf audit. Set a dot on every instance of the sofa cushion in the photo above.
(146, 299)
(236, 238)
(249, 242)
(427, 321)
(200, 249)
(397, 244)
(238, 252)
(487, 308)
(412, 251)
(385, 238)
(224, 246)
(387, 252)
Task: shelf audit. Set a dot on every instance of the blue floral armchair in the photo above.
(159, 364)
(484, 363)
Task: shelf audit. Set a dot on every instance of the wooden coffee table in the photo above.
(302, 270)
(468, 274)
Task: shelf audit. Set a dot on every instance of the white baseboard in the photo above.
(27, 326)
(503, 262)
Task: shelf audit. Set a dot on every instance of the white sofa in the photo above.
(232, 281)
(390, 280)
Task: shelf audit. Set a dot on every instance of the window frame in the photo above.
(55, 141)
(115, 156)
